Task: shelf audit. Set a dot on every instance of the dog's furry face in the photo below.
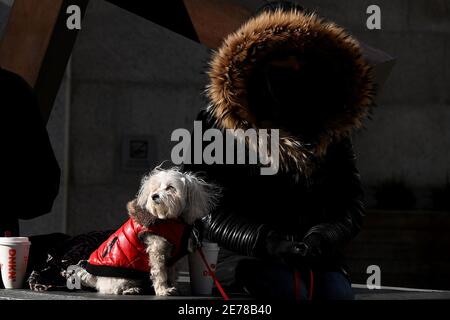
(169, 194)
(163, 194)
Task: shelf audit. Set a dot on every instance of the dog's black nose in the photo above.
(155, 197)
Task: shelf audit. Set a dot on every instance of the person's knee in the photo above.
(262, 279)
(333, 286)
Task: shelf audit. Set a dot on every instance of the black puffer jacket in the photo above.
(328, 202)
(317, 190)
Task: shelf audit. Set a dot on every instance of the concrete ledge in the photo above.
(389, 293)
(23, 294)
(398, 293)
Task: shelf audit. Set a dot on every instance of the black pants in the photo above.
(273, 280)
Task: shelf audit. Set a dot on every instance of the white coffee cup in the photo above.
(13, 260)
(201, 280)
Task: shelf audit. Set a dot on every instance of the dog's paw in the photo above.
(40, 287)
(170, 291)
(132, 291)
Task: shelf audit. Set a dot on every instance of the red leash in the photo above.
(311, 284)
(298, 284)
(213, 275)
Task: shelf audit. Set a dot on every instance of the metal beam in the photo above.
(204, 21)
(213, 20)
(169, 14)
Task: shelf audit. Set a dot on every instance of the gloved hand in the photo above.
(294, 253)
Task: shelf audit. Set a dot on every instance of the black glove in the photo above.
(294, 253)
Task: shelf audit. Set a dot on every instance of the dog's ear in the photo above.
(131, 208)
(139, 214)
(144, 190)
(202, 198)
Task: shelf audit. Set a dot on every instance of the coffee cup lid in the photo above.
(14, 240)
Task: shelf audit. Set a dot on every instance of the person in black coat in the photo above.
(31, 173)
(283, 235)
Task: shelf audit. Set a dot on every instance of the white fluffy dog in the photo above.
(164, 196)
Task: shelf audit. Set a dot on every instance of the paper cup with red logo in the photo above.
(201, 280)
(13, 260)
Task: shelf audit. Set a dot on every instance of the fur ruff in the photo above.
(232, 64)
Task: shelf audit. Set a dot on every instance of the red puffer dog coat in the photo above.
(123, 254)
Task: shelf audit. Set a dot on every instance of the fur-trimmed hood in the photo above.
(232, 64)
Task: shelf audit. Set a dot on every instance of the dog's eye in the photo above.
(170, 188)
